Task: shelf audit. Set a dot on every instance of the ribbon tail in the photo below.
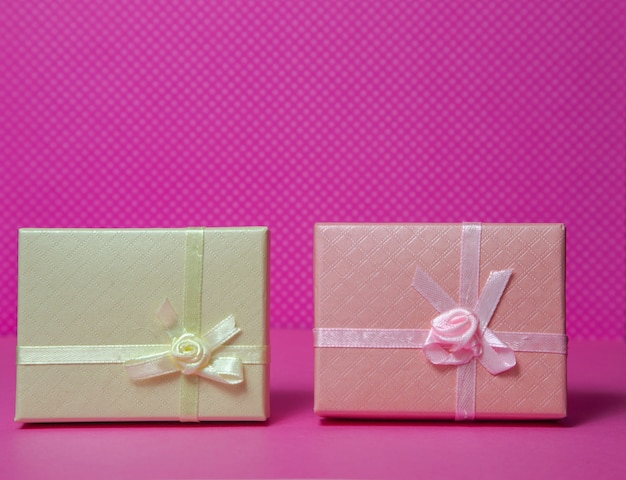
(151, 366)
(169, 319)
(497, 357)
(227, 370)
(432, 291)
(490, 296)
(221, 333)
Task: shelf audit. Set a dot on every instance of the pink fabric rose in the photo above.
(454, 338)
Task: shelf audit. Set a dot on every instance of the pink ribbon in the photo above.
(459, 335)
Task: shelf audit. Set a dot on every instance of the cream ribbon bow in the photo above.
(190, 354)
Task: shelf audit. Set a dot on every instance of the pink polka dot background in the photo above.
(285, 113)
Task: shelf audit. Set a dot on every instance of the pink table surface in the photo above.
(295, 443)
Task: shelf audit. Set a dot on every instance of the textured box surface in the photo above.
(104, 287)
(363, 277)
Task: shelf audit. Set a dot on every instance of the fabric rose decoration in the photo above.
(191, 353)
(454, 338)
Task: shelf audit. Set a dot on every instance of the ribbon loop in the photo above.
(497, 357)
(150, 366)
(224, 370)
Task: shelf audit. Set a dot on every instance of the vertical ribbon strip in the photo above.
(459, 336)
(194, 264)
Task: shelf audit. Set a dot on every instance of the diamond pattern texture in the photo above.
(363, 280)
(104, 287)
(172, 113)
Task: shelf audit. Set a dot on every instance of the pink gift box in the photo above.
(391, 343)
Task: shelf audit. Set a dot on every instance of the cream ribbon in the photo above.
(194, 355)
(190, 354)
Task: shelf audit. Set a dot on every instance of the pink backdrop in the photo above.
(174, 113)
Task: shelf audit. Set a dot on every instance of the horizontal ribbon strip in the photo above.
(108, 354)
(410, 338)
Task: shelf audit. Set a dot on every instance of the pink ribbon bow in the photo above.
(460, 334)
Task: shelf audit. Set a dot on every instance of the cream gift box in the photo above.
(153, 324)
(441, 321)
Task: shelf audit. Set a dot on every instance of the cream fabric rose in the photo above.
(191, 353)
(454, 338)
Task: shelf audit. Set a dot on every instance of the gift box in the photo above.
(153, 324)
(440, 321)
